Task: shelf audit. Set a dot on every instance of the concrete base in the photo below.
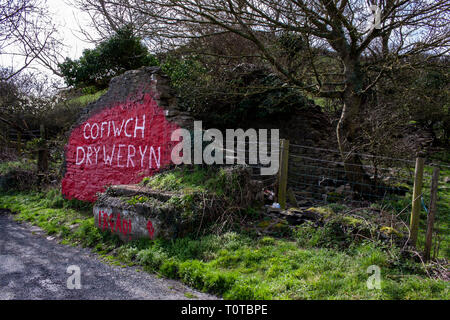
(127, 224)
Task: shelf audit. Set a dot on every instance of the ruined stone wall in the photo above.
(123, 136)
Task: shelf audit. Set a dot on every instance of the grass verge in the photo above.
(235, 265)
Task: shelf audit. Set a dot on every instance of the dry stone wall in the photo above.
(123, 136)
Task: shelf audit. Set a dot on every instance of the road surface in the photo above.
(34, 266)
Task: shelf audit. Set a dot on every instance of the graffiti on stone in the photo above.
(119, 141)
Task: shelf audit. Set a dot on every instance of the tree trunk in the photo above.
(348, 133)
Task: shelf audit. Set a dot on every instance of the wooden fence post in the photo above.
(432, 212)
(283, 172)
(416, 201)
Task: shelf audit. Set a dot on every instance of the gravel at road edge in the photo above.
(34, 266)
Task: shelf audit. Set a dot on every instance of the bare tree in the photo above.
(108, 17)
(28, 35)
(345, 47)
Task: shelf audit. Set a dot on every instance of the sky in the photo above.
(67, 18)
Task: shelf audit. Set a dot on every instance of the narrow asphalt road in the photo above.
(34, 266)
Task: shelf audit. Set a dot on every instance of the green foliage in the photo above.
(89, 90)
(195, 179)
(186, 179)
(336, 232)
(35, 144)
(137, 199)
(151, 258)
(181, 70)
(202, 195)
(54, 199)
(85, 99)
(169, 269)
(225, 95)
(25, 164)
(238, 267)
(112, 57)
(248, 289)
(18, 175)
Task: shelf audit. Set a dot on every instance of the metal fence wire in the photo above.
(318, 175)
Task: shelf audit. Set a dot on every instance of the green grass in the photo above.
(87, 98)
(442, 216)
(237, 266)
(71, 220)
(189, 180)
(25, 164)
(190, 295)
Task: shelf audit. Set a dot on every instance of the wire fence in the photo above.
(246, 153)
(319, 176)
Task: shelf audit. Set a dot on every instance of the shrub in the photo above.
(191, 272)
(151, 258)
(18, 175)
(169, 269)
(96, 67)
(218, 282)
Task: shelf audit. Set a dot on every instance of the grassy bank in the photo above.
(235, 265)
(441, 235)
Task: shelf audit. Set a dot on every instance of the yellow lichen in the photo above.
(263, 224)
(390, 231)
(352, 221)
(323, 211)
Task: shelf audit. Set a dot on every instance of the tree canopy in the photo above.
(112, 57)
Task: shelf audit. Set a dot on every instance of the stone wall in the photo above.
(113, 212)
(124, 135)
(140, 211)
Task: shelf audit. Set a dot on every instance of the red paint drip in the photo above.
(151, 230)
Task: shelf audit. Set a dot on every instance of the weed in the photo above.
(236, 266)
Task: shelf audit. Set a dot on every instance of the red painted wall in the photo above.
(118, 145)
